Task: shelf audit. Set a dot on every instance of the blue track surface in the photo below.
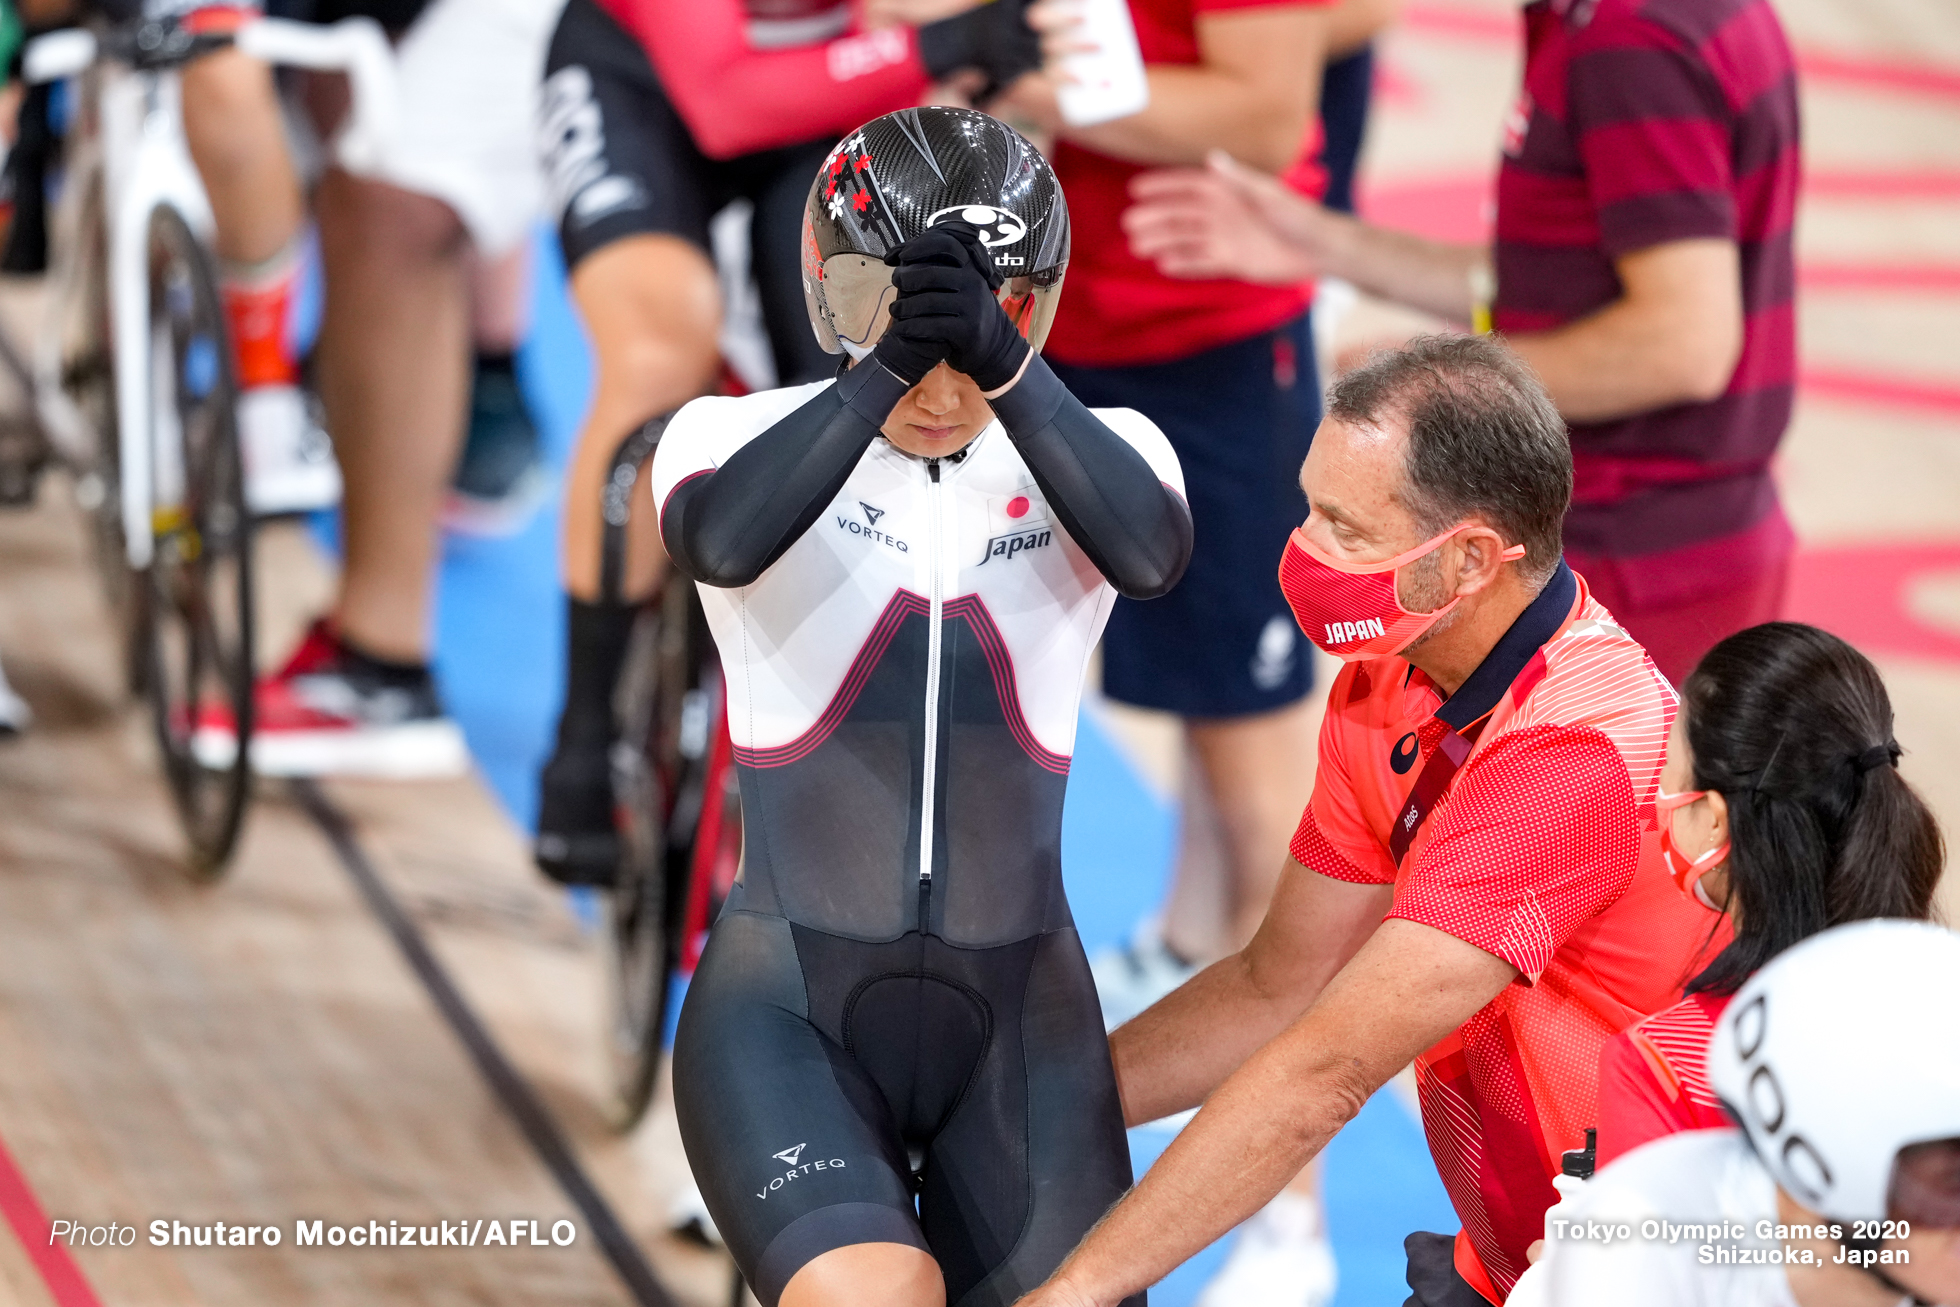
(500, 656)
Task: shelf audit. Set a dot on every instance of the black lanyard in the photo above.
(1465, 713)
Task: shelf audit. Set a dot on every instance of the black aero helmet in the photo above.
(900, 174)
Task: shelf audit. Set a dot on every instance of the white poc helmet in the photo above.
(1842, 1051)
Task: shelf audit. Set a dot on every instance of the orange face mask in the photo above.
(1687, 872)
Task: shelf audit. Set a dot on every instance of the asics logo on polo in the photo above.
(997, 226)
(1344, 632)
(1404, 756)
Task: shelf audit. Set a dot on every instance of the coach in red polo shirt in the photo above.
(1476, 884)
(1642, 266)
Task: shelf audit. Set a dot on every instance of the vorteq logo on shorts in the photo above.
(1365, 629)
(790, 1155)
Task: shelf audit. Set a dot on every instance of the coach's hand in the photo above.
(1057, 1292)
(946, 281)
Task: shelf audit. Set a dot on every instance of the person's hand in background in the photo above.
(992, 39)
(1250, 91)
(1032, 98)
(960, 90)
(1228, 220)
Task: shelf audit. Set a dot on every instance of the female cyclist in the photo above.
(890, 1072)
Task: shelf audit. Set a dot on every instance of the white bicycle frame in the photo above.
(138, 160)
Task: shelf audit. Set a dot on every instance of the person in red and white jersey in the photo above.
(1782, 808)
(657, 115)
(1475, 885)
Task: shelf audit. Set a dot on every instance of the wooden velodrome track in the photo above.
(263, 1051)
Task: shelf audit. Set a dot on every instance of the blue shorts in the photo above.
(1241, 416)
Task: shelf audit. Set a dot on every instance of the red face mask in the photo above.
(1351, 610)
(1687, 872)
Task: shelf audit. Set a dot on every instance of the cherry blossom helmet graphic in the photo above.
(900, 174)
(1839, 1055)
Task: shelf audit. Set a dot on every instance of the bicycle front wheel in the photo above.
(666, 705)
(196, 596)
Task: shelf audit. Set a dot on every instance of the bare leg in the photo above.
(1197, 911)
(394, 368)
(500, 300)
(231, 117)
(653, 310)
(868, 1275)
(1251, 777)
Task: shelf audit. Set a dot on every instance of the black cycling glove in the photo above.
(946, 281)
(993, 37)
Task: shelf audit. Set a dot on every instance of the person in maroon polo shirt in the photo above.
(1642, 265)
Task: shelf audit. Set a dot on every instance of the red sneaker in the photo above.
(332, 712)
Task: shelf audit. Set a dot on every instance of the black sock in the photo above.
(360, 662)
(595, 648)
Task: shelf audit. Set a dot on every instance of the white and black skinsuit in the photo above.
(904, 641)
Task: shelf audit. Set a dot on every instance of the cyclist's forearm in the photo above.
(1184, 1046)
(725, 528)
(1134, 528)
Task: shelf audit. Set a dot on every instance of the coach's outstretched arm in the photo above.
(1406, 988)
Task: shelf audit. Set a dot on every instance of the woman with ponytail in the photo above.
(1781, 807)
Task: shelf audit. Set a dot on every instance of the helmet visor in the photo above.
(1926, 1185)
(858, 295)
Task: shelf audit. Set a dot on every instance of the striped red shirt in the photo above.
(1653, 1077)
(1642, 122)
(1543, 851)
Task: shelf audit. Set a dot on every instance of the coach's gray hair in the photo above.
(1484, 439)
